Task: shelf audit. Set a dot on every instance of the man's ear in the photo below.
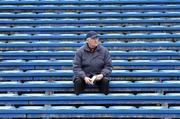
(87, 39)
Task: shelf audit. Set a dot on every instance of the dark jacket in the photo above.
(88, 63)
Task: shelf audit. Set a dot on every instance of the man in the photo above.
(92, 65)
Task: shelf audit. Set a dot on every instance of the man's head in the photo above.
(92, 39)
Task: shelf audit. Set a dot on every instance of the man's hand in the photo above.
(87, 80)
(99, 77)
(93, 79)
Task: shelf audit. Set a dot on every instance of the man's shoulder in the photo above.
(80, 49)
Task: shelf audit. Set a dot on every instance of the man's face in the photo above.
(92, 41)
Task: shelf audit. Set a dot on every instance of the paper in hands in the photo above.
(93, 79)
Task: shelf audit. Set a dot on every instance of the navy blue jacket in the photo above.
(87, 63)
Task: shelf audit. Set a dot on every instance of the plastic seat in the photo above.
(152, 107)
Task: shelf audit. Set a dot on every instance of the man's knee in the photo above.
(79, 85)
(103, 85)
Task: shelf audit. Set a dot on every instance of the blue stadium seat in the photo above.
(17, 2)
(91, 21)
(75, 44)
(114, 111)
(88, 28)
(69, 98)
(27, 86)
(69, 73)
(92, 7)
(88, 15)
(71, 53)
(122, 64)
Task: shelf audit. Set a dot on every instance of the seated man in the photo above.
(92, 65)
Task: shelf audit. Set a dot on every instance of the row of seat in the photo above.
(69, 73)
(117, 44)
(93, 98)
(89, 21)
(82, 36)
(69, 63)
(142, 53)
(58, 64)
(90, 7)
(88, 14)
(56, 2)
(89, 111)
(68, 86)
(87, 28)
(68, 55)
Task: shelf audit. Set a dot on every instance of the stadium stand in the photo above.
(38, 39)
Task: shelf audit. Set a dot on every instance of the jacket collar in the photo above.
(86, 48)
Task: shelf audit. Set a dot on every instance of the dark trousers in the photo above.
(80, 85)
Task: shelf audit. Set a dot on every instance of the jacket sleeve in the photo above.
(106, 71)
(77, 65)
